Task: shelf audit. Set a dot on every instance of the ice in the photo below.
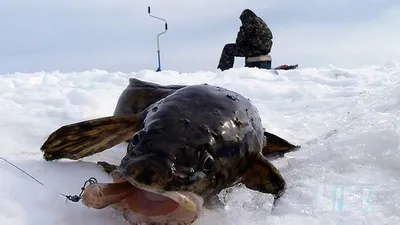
(347, 121)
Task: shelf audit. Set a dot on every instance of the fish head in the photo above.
(165, 160)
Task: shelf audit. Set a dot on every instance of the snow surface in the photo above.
(345, 119)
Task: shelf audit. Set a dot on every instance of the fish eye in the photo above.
(134, 141)
(208, 163)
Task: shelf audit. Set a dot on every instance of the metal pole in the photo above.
(158, 38)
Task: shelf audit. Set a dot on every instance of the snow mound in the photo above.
(347, 171)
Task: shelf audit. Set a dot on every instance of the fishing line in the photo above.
(72, 198)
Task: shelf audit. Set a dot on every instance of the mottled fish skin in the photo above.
(194, 127)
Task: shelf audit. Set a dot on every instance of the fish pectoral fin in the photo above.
(78, 140)
(112, 170)
(107, 167)
(277, 146)
(263, 176)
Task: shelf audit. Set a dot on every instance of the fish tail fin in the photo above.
(82, 139)
(277, 146)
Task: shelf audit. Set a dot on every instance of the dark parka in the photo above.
(254, 36)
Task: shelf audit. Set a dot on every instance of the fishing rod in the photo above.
(158, 37)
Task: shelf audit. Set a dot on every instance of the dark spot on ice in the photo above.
(154, 109)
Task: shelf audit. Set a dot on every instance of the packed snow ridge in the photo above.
(347, 171)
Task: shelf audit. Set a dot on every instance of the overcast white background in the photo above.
(119, 35)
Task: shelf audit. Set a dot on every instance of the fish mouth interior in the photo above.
(124, 195)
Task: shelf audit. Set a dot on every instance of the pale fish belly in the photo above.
(180, 216)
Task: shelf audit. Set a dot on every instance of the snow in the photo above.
(347, 171)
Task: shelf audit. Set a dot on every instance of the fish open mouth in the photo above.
(124, 195)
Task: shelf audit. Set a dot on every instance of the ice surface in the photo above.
(347, 171)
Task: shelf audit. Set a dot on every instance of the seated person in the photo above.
(254, 39)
